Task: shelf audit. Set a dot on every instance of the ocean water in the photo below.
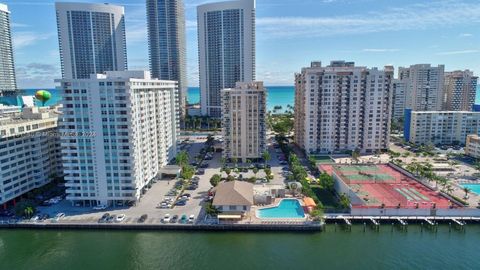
(277, 96)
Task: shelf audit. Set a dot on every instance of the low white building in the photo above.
(440, 127)
(29, 151)
(243, 121)
(472, 146)
(118, 130)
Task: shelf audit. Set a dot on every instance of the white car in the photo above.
(120, 218)
(191, 219)
(35, 218)
(59, 216)
(166, 218)
(100, 207)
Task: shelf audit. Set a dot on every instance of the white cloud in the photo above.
(24, 39)
(466, 35)
(413, 17)
(458, 52)
(380, 50)
(34, 75)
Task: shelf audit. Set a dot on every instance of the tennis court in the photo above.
(385, 186)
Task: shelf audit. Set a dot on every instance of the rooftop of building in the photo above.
(4, 8)
(233, 193)
(28, 114)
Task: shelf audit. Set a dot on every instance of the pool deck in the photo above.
(253, 217)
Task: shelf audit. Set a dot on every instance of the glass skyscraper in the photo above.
(8, 83)
(226, 40)
(91, 38)
(167, 48)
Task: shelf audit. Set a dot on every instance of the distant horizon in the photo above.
(290, 34)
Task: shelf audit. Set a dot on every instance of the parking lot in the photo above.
(148, 203)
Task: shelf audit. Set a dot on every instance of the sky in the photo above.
(290, 34)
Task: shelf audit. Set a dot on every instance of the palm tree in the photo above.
(449, 189)
(356, 155)
(182, 158)
(235, 161)
(266, 157)
(29, 211)
(466, 190)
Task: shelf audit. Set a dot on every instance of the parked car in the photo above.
(204, 165)
(196, 178)
(191, 218)
(200, 171)
(192, 187)
(143, 218)
(60, 215)
(183, 219)
(180, 203)
(120, 218)
(166, 218)
(104, 218)
(174, 219)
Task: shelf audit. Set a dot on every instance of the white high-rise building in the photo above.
(8, 84)
(424, 90)
(399, 88)
(167, 44)
(118, 130)
(440, 127)
(30, 153)
(343, 107)
(226, 45)
(243, 121)
(460, 90)
(91, 38)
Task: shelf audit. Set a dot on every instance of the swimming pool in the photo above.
(475, 188)
(287, 208)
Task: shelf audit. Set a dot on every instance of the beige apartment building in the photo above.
(243, 121)
(472, 146)
(343, 107)
(30, 153)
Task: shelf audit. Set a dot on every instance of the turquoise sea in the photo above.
(277, 96)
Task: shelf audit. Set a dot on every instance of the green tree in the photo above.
(267, 171)
(344, 201)
(215, 179)
(230, 178)
(29, 211)
(356, 155)
(182, 158)
(266, 157)
(235, 161)
(327, 181)
(187, 172)
(211, 210)
(317, 214)
(25, 208)
(255, 171)
(467, 191)
(228, 171)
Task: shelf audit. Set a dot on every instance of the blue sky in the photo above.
(290, 34)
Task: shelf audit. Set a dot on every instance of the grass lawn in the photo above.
(327, 198)
(323, 159)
